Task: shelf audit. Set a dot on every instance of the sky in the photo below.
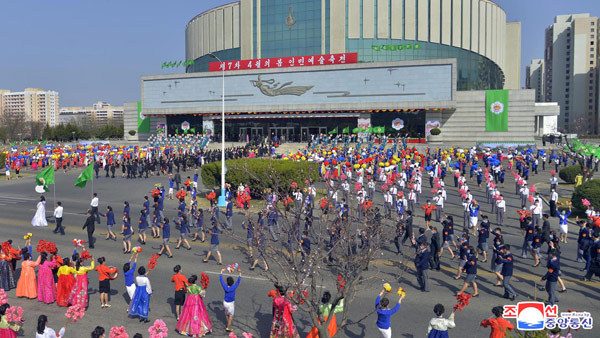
(97, 50)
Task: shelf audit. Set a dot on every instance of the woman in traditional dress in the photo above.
(79, 293)
(7, 280)
(194, 321)
(283, 324)
(39, 220)
(46, 286)
(65, 282)
(6, 329)
(438, 326)
(325, 310)
(140, 304)
(27, 285)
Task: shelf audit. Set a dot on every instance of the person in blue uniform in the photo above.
(482, 241)
(156, 219)
(110, 222)
(126, 231)
(422, 266)
(184, 230)
(142, 227)
(471, 269)
(551, 278)
(594, 258)
(463, 254)
(166, 230)
(229, 215)
(507, 260)
(214, 244)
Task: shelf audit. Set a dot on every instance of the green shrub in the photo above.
(132, 132)
(589, 190)
(435, 131)
(568, 174)
(260, 174)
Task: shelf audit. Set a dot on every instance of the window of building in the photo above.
(590, 100)
(568, 46)
(566, 102)
(591, 36)
(591, 68)
(592, 43)
(590, 107)
(591, 63)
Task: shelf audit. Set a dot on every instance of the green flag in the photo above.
(45, 177)
(143, 121)
(86, 175)
(496, 111)
(355, 130)
(193, 130)
(334, 131)
(376, 48)
(378, 130)
(346, 130)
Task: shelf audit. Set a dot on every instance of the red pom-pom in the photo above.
(204, 280)
(85, 255)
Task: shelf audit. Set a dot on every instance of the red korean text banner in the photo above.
(286, 62)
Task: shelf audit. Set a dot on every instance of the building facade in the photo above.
(100, 112)
(571, 71)
(535, 78)
(475, 32)
(32, 104)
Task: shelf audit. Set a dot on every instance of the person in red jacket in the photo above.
(428, 208)
(499, 325)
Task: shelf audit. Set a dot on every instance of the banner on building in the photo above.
(161, 129)
(496, 111)
(208, 128)
(143, 120)
(285, 62)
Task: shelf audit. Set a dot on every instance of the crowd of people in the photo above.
(357, 179)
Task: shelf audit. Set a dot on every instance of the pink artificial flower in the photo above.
(118, 332)
(158, 329)
(3, 298)
(585, 202)
(232, 335)
(247, 335)
(75, 312)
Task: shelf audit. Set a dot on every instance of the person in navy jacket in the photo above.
(422, 265)
(110, 222)
(551, 278)
(228, 215)
(463, 254)
(507, 272)
(471, 269)
(142, 226)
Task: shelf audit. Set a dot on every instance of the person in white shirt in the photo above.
(524, 194)
(371, 185)
(536, 212)
(465, 204)
(345, 189)
(412, 198)
(553, 182)
(299, 197)
(439, 203)
(387, 206)
(94, 205)
(58, 217)
(500, 210)
(45, 332)
(553, 201)
(393, 192)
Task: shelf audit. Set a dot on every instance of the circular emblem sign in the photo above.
(397, 124)
(185, 125)
(497, 107)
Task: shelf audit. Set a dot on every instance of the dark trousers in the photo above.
(96, 214)
(59, 227)
(552, 208)
(423, 279)
(90, 238)
(434, 260)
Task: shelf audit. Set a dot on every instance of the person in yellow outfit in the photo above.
(79, 294)
(578, 180)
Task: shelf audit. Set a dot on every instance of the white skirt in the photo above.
(564, 229)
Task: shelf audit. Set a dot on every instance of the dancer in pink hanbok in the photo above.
(194, 321)
(46, 286)
(79, 294)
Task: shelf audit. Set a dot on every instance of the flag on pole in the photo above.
(143, 121)
(496, 111)
(45, 177)
(346, 130)
(86, 175)
(334, 131)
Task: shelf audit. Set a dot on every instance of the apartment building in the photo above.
(32, 104)
(100, 112)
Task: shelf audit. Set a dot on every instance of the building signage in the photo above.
(286, 62)
(407, 46)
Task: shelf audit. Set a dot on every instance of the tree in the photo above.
(342, 247)
(584, 154)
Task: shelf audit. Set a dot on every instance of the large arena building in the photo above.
(297, 67)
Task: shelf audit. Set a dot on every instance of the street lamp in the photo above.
(222, 201)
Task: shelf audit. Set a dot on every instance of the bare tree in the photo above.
(343, 243)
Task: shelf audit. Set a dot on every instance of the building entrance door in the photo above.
(284, 134)
(306, 132)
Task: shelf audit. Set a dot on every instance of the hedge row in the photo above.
(260, 174)
(589, 190)
(2, 162)
(568, 174)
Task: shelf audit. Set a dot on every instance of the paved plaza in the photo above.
(253, 307)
